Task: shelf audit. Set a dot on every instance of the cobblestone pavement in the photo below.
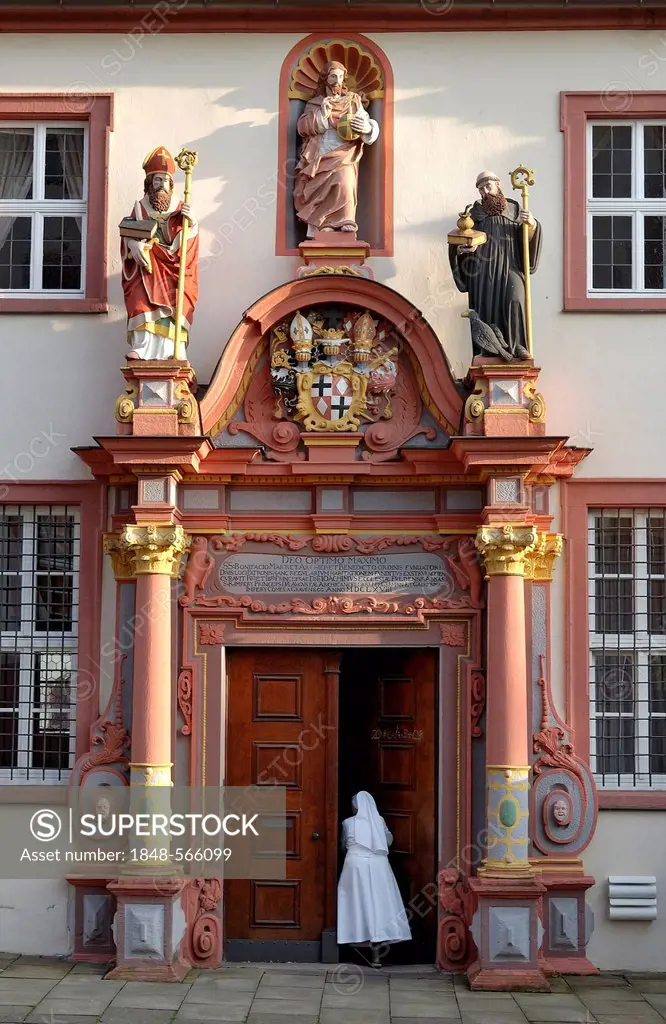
(43, 990)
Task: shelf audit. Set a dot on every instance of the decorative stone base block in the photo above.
(149, 929)
(334, 252)
(508, 935)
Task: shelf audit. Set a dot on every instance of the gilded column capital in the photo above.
(505, 548)
(539, 562)
(123, 564)
(154, 549)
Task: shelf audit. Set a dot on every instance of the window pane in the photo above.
(51, 710)
(16, 163)
(64, 164)
(656, 528)
(53, 603)
(615, 746)
(10, 603)
(612, 252)
(658, 684)
(653, 181)
(62, 253)
(10, 543)
(611, 162)
(9, 681)
(614, 606)
(655, 234)
(55, 542)
(15, 245)
(613, 683)
(613, 545)
(658, 745)
(657, 605)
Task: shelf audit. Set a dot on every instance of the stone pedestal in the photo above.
(149, 929)
(158, 400)
(334, 252)
(504, 401)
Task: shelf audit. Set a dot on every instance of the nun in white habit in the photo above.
(370, 908)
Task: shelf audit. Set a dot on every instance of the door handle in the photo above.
(315, 835)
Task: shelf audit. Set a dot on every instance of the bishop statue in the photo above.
(151, 255)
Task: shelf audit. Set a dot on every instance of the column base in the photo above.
(149, 929)
(508, 934)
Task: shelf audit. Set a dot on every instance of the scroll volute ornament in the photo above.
(154, 549)
(505, 548)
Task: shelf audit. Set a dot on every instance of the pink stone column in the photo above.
(151, 697)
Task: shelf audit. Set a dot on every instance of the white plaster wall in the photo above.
(627, 843)
(219, 94)
(34, 917)
(602, 374)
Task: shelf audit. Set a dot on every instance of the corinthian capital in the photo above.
(540, 561)
(505, 548)
(153, 549)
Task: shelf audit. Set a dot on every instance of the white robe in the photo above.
(370, 907)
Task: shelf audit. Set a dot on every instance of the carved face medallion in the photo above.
(561, 812)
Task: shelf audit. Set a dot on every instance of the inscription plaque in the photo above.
(249, 573)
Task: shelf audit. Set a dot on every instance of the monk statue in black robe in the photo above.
(493, 273)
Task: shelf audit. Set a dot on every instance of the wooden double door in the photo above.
(325, 724)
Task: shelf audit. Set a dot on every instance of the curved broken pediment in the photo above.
(332, 356)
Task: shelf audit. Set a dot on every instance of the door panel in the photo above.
(388, 747)
(277, 703)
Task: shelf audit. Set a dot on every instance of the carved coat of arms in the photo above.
(332, 379)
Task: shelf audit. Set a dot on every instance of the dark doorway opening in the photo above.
(388, 746)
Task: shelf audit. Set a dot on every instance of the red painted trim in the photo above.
(91, 497)
(356, 291)
(631, 801)
(97, 110)
(576, 109)
(386, 128)
(577, 497)
(463, 15)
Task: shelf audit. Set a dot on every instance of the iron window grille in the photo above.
(627, 668)
(39, 616)
(626, 208)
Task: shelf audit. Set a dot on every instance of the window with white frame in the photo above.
(43, 209)
(39, 601)
(627, 621)
(626, 208)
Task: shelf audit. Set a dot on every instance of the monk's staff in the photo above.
(186, 160)
(521, 179)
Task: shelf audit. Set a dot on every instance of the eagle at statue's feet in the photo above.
(487, 338)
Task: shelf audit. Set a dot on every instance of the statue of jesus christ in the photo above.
(326, 189)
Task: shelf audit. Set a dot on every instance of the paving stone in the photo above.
(14, 1014)
(276, 980)
(657, 1000)
(610, 1001)
(630, 1017)
(656, 986)
(37, 1018)
(237, 971)
(15, 991)
(233, 984)
(421, 984)
(491, 1016)
(151, 995)
(272, 1018)
(422, 1020)
(596, 981)
(131, 1015)
(354, 1017)
(307, 1005)
(559, 1015)
(214, 995)
(448, 1013)
(20, 970)
(94, 970)
(206, 1012)
(480, 1000)
(81, 1006)
(298, 996)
